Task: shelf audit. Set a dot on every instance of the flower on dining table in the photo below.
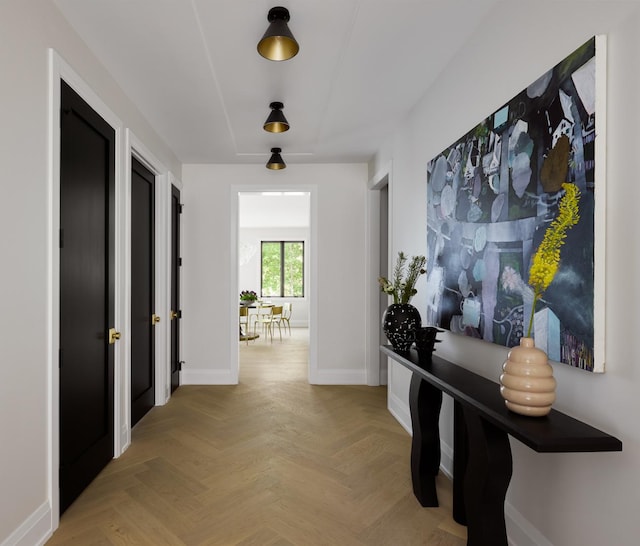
(403, 288)
(248, 295)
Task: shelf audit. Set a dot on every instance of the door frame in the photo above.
(311, 290)
(372, 244)
(172, 181)
(135, 148)
(59, 70)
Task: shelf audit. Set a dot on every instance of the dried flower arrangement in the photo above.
(403, 287)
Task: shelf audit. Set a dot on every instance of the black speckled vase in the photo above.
(400, 322)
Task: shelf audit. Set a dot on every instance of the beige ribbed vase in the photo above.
(528, 386)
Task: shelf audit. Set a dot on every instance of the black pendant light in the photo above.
(276, 162)
(276, 122)
(278, 44)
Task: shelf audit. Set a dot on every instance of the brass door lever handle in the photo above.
(114, 335)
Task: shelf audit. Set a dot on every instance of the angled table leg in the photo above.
(425, 401)
(486, 481)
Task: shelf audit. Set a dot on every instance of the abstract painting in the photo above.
(492, 194)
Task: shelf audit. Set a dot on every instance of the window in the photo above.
(282, 269)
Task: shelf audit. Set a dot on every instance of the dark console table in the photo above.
(482, 463)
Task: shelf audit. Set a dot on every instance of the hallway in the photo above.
(270, 461)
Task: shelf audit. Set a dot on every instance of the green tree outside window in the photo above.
(282, 269)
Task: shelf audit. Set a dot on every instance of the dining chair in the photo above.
(286, 315)
(262, 310)
(269, 320)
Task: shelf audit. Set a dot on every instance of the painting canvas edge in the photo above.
(599, 296)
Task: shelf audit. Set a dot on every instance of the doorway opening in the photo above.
(383, 271)
(274, 255)
(379, 239)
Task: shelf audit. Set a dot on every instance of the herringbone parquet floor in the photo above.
(271, 461)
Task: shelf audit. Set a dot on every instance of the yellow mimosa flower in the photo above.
(546, 260)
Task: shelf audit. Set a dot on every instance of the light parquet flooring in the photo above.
(272, 461)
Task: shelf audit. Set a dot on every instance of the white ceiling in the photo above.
(192, 68)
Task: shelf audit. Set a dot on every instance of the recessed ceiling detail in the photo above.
(197, 79)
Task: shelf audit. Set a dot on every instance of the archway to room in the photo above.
(273, 260)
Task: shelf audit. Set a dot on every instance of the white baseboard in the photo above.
(125, 439)
(225, 377)
(338, 377)
(520, 532)
(207, 377)
(400, 411)
(36, 529)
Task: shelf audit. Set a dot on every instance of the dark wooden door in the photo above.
(87, 252)
(176, 262)
(142, 291)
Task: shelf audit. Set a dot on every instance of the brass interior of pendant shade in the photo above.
(276, 162)
(276, 122)
(278, 43)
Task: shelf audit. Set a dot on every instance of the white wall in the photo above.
(27, 29)
(249, 270)
(336, 266)
(574, 499)
(562, 499)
